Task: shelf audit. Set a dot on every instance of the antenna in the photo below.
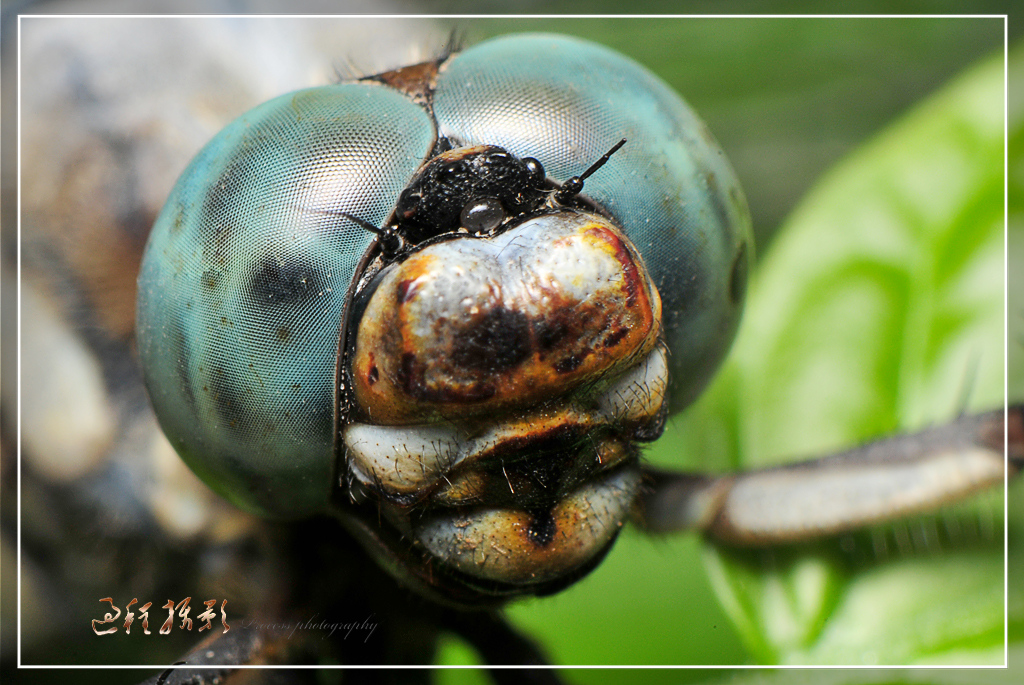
(390, 241)
(574, 185)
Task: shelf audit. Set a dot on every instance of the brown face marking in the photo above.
(499, 341)
(542, 528)
(616, 337)
(411, 378)
(406, 290)
(520, 318)
(549, 333)
(570, 363)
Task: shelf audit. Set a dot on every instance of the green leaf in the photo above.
(879, 309)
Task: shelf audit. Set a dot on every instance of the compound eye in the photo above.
(482, 215)
(536, 169)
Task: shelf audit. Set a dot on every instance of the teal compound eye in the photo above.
(377, 297)
(244, 279)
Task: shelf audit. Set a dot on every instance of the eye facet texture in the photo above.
(244, 281)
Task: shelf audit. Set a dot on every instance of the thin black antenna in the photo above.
(362, 223)
(574, 185)
(390, 241)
